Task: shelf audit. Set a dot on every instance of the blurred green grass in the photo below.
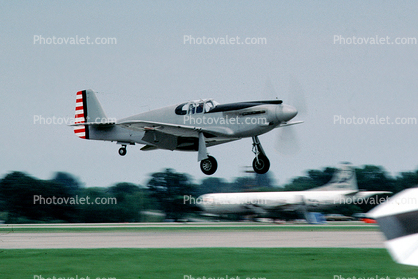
(180, 263)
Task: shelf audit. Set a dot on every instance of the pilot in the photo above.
(199, 109)
(191, 109)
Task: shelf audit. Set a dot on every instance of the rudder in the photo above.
(87, 110)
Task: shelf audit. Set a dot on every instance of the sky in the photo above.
(324, 47)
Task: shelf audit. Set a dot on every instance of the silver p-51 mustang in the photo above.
(189, 126)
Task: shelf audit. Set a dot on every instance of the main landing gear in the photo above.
(261, 163)
(209, 165)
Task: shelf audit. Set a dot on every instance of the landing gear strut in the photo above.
(209, 165)
(261, 163)
(122, 150)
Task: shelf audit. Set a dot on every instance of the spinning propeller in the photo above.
(287, 141)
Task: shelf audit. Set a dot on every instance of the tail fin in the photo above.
(344, 179)
(87, 110)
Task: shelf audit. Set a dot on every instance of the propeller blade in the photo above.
(297, 96)
(269, 90)
(287, 143)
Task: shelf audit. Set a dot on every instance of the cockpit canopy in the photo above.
(195, 107)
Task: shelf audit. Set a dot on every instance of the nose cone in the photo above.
(285, 112)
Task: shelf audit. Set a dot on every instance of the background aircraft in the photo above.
(189, 126)
(397, 218)
(341, 189)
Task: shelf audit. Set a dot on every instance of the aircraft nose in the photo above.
(285, 112)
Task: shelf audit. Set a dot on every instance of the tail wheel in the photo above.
(209, 165)
(261, 164)
(122, 151)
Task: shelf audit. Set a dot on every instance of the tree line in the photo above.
(25, 199)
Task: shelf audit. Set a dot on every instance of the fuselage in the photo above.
(221, 203)
(221, 123)
(235, 121)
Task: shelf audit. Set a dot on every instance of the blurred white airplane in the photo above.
(398, 220)
(342, 189)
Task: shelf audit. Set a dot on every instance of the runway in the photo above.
(190, 239)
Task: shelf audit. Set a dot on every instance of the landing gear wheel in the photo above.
(209, 165)
(122, 151)
(261, 164)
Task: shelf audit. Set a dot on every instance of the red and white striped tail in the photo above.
(80, 115)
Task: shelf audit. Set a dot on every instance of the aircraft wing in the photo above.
(368, 194)
(397, 219)
(175, 129)
(166, 128)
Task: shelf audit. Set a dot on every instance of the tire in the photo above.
(122, 151)
(262, 165)
(209, 165)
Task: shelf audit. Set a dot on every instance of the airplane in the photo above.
(341, 189)
(188, 126)
(397, 219)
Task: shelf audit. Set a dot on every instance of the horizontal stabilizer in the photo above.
(92, 124)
